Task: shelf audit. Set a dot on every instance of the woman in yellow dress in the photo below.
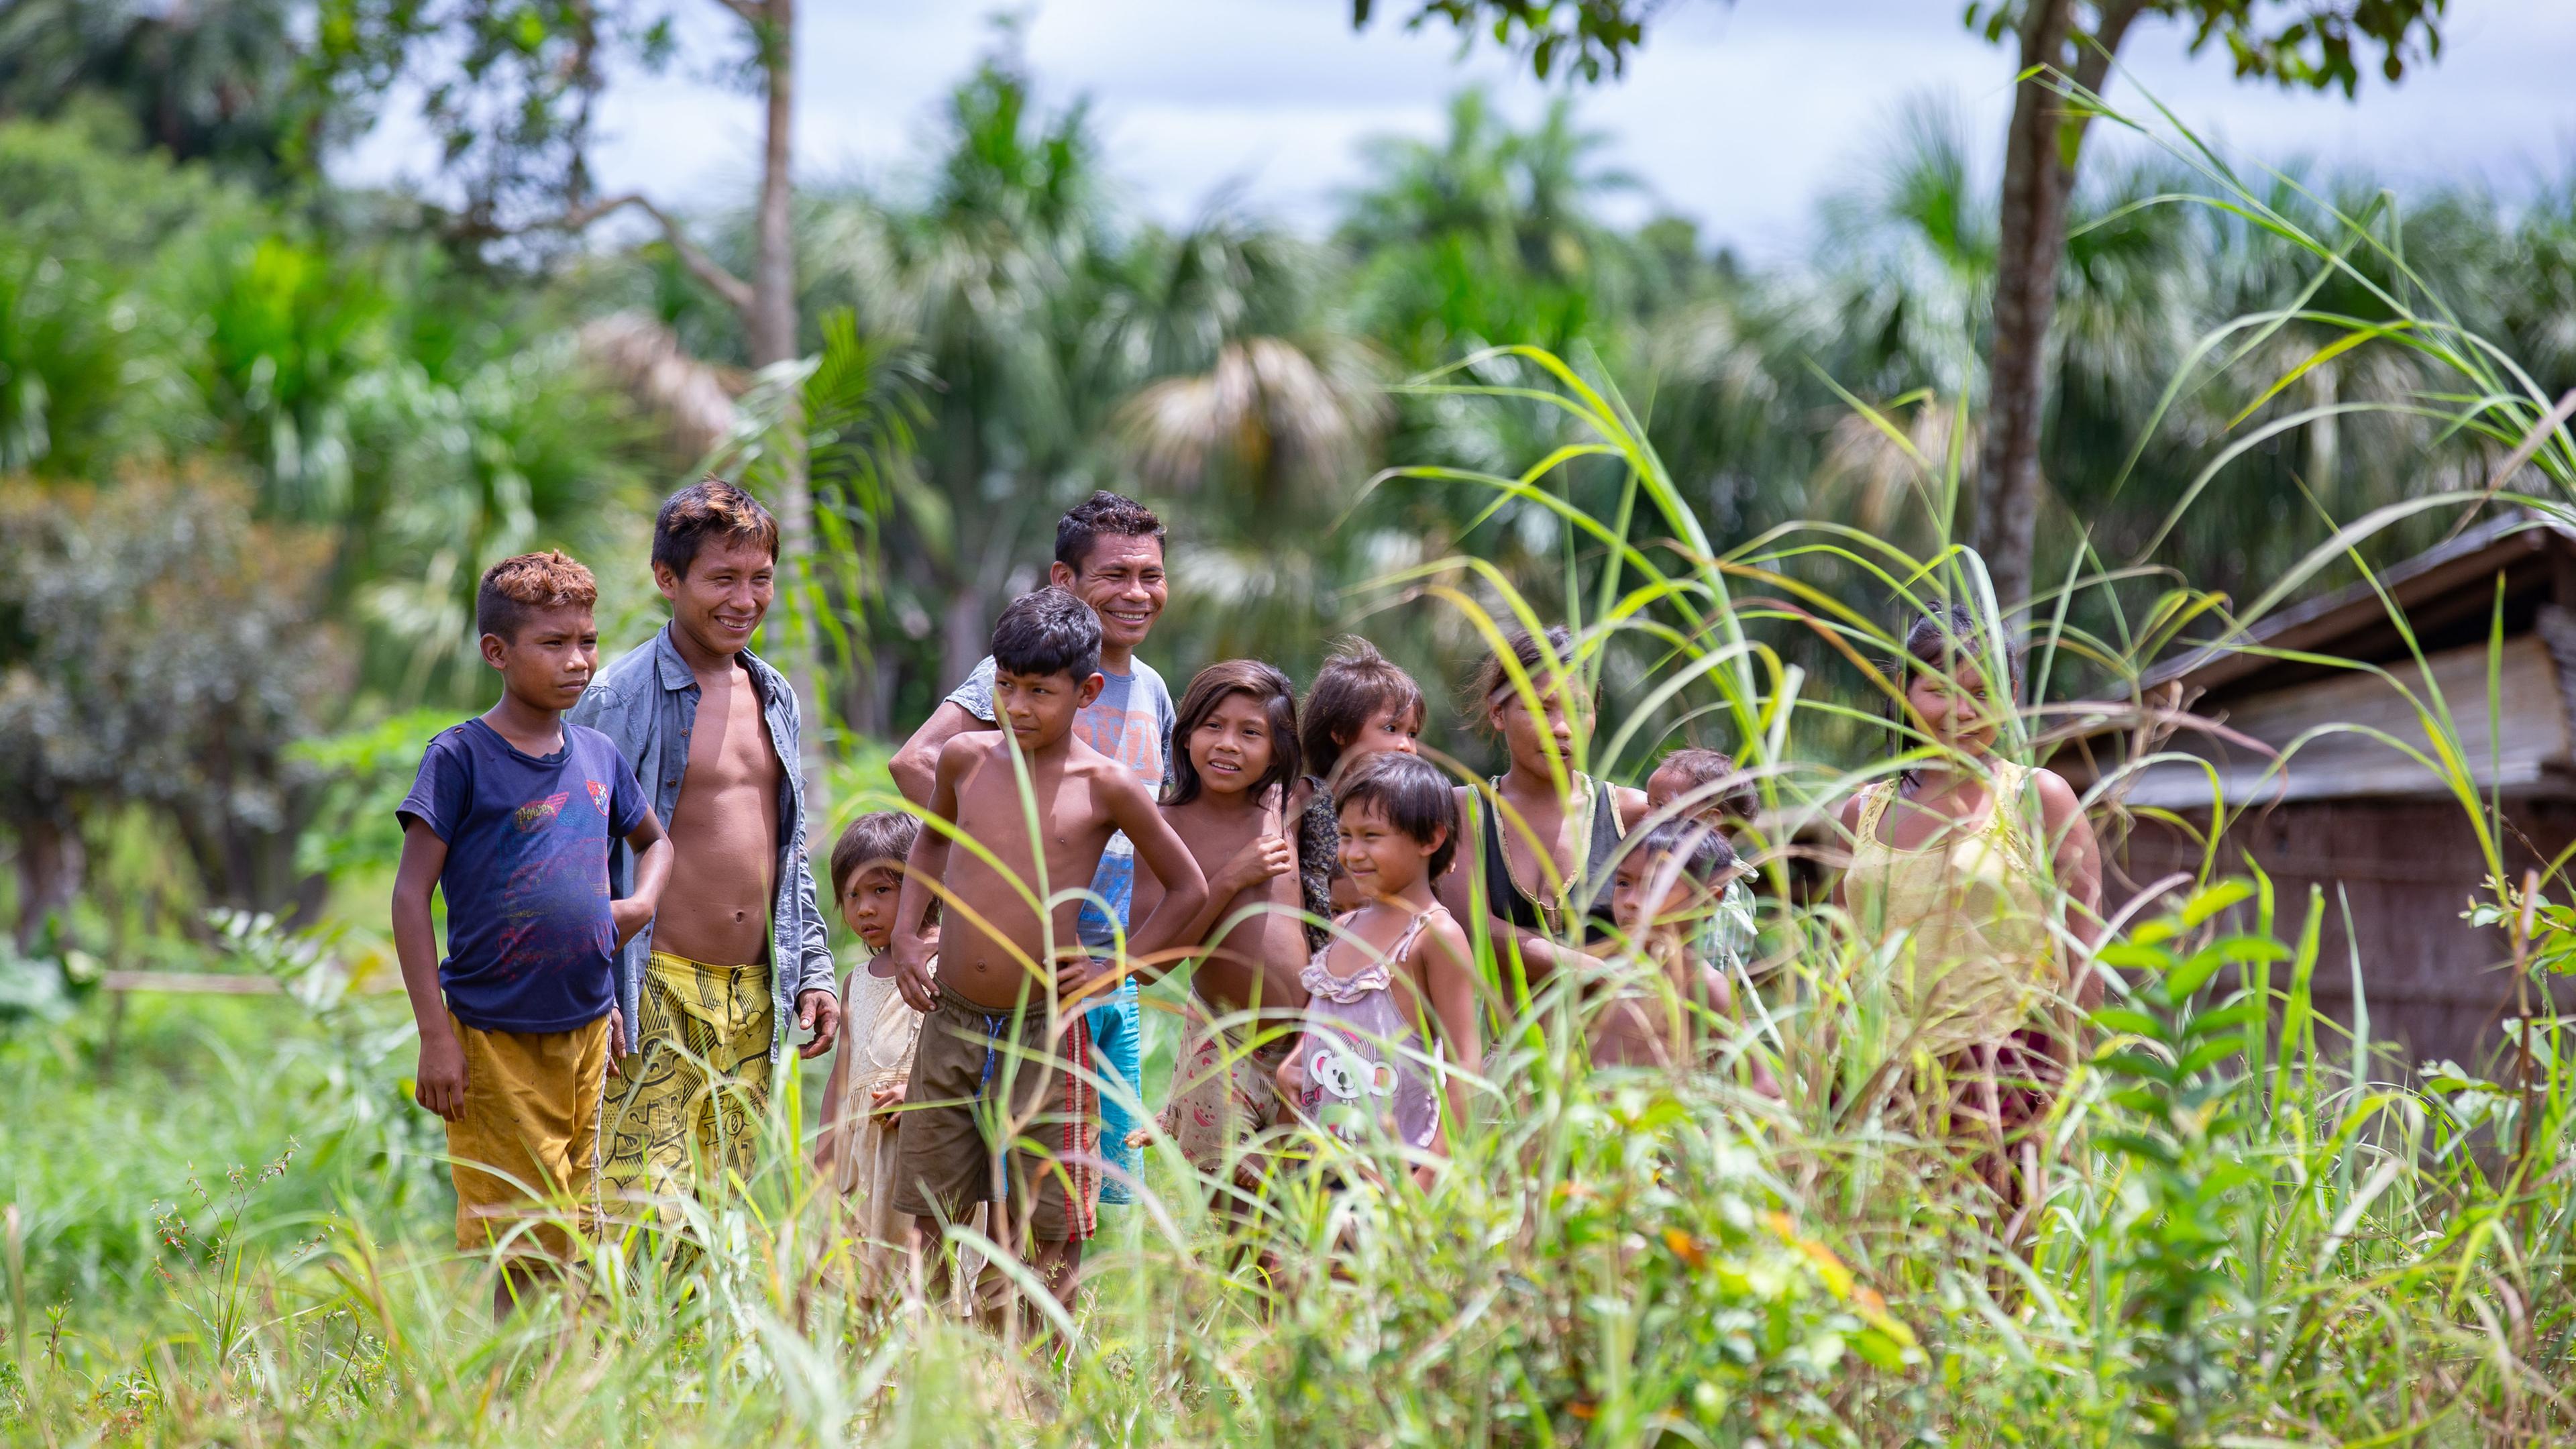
(1982, 880)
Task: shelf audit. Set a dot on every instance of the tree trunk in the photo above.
(770, 329)
(964, 635)
(2032, 237)
(51, 862)
(2040, 155)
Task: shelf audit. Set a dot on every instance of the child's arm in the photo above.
(1159, 849)
(1447, 982)
(439, 1082)
(1269, 856)
(652, 847)
(827, 1147)
(913, 942)
(2078, 862)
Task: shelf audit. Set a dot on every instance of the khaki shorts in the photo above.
(527, 1148)
(990, 1086)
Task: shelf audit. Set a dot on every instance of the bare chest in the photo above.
(729, 745)
(1539, 840)
(1058, 817)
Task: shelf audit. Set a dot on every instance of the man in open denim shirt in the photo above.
(710, 991)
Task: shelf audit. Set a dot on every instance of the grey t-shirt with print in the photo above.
(1131, 722)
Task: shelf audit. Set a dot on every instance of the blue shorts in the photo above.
(1117, 1044)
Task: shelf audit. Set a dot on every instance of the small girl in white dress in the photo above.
(873, 1063)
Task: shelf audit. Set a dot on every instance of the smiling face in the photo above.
(550, 661)
(1563, 715)
(1381, 860)
(1124, 584)
(1038, 709)
(1232, 748)
(1395, 729)
(868, 904)
(727, 592)
(1956, 707)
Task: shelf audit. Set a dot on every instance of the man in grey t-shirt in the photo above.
(1108, 553)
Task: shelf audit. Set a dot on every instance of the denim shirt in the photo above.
(647, 702)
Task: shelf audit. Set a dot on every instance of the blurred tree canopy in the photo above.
(988, 332)
(159, 647)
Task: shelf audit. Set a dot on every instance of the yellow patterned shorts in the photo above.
(695, 1102)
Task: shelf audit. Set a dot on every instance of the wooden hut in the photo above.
(2385, 836)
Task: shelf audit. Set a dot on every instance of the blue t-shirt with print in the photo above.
(1131, 722)
(530, 942)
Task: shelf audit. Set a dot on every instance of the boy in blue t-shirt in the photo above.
(510, 820)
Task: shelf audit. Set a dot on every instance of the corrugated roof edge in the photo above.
(2408, 581)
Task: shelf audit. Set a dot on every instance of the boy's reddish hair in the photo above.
(517, 587)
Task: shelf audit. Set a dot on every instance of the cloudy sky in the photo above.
(1738, 115)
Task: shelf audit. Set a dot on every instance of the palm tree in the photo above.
(1261, 415)
(993, 274)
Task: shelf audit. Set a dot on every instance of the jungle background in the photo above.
(260, 433)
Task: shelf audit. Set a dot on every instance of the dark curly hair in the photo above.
(1102, 514)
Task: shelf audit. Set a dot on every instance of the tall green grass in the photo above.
(2251, 1232)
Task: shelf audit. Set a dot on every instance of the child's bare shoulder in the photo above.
(1449, 936)
(965, 751)
(1105, 776)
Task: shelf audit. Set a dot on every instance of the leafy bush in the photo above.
(158, 646)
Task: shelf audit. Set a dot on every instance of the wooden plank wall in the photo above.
(2435, 986)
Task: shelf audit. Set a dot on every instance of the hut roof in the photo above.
(2328, 699)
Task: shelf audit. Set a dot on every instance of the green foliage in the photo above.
(2187, 1126)
(214, 80)
(507, 87)
(367, 771)
(1584, 34)
(165, 649)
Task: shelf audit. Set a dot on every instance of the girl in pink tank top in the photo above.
(1367, 1069)
(1391, 1008)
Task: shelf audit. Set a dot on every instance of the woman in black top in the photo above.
(1542, 875)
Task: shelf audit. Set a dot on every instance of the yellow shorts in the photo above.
(527, 1148)
(697, 1080)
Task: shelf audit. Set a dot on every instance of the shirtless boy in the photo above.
(1005, 1066)
(736, 962)
(1109, 554)
(1667, 881)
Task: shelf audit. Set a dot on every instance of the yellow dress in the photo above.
(1968, 918)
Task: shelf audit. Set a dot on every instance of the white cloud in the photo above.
(1739, 116)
